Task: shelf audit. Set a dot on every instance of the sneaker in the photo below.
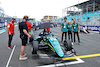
(9, 47)
(22, 58)
(74, 43)
(79, 44)
(24, 54)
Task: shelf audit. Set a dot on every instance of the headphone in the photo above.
(26, 18)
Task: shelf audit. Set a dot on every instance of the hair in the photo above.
(69, 21)
(73, 19)
(25, 17)
(13, 19)
(65, 18)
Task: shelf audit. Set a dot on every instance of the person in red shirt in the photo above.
(11, 32)
(28, 26)
(48, 29)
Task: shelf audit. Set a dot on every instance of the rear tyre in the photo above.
(35, 47)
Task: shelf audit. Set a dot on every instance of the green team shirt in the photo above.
(69, 27)
(64, 27)
(75, 27)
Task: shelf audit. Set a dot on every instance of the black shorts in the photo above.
(24, 39)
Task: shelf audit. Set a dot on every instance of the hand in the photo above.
(29, 36)
(61, 32)
(9, 33)
(78, 31)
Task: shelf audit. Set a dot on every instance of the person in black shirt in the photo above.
(24, 36)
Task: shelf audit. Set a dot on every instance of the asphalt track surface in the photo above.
(90, 44)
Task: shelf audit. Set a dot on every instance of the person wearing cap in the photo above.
(24, 37)
(76, 30)
(64, 29)
(11, 32)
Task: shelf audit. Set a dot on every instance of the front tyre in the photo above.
(67, 45)
(35, 47)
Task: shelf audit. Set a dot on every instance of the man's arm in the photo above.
(8, 29)
(25, 32)
(61, 27)
(24, 26)
(78, 29)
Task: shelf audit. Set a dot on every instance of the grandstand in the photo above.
(4, 17)
(88, 14)
(1, 17)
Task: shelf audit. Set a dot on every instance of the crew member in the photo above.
(23, 27)
(64, 29)
(5, 24)
(76, 30)
(29, 27)
(70, 31)
(34, 25)
(48, 29)
(11, 32)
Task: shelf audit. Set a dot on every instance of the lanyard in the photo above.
(64, 25)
